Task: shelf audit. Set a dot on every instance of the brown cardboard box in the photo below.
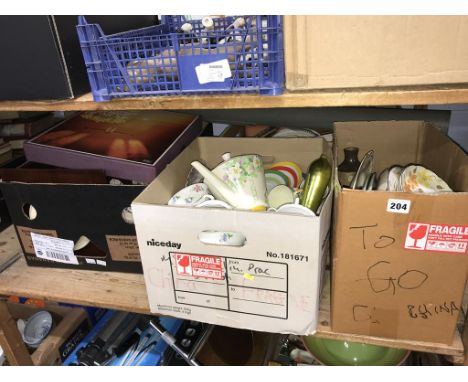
(323, 52)
(271, 284)
(379, 287)
(69, 328)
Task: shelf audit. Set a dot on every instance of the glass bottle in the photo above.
(348, 168)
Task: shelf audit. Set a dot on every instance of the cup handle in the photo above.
(206, 197)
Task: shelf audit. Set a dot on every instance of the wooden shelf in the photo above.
(127, 292)
(319, 98)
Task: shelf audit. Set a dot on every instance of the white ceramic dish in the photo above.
(2, 356)
(370, 182)
(422, 180)
(394, 178)
(37, 328)
(365, 168)
(293, 209)
(280, 195)
(214, 204)
(285, 132)
(275, 178)
(382, 184)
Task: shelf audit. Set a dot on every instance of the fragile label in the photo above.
(216, 71)
(210, 267)
(437, 237)
(398, 206)
(54, 249)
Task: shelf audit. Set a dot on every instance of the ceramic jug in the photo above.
(239, 181)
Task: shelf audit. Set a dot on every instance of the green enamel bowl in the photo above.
(346, 353)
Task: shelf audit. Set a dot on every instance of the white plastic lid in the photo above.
(239, 22)
(207, 22)
(187, 27)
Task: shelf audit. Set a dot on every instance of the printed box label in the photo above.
(437, 237)
(210, 267)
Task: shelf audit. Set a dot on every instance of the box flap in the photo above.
(374, 51)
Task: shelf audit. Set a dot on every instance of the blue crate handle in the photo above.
(93, 32)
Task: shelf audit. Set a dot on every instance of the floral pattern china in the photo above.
(191, 195)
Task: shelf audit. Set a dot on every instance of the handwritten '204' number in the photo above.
(398, 206)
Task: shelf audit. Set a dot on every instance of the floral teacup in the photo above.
(191, 196)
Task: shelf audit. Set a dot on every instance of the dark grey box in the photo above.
(42, 57)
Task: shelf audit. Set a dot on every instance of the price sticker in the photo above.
(54, 249)
(398, 206)
(216, 71)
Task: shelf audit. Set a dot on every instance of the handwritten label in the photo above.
(54, 249)
(383, 241)
(216, 71)
(381, 278)
(398, 206)
(427, 311)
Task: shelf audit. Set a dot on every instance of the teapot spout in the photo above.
(216, 185)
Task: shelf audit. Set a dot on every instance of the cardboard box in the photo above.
(289, 250)
(45, 60)
(70, 327)
(381, 285)
(69, 211)
(326, 52)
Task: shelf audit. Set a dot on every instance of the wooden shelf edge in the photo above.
(455, 349)
(122, 291)
(317, 98)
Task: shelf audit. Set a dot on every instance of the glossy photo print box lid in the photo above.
(381, 285)
(134, 145)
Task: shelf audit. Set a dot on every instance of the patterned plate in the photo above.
(420, 179)
(274, 178)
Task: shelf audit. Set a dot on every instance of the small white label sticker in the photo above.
(216, 71)
(90, 261)
(398, 206)
(54, 249)
(100, 262)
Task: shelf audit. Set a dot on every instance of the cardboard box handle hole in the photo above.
(29, 211)
(223, 238)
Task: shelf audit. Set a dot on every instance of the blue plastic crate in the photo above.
(152, 356)
(159, 61)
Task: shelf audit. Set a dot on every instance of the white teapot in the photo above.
(239, 181)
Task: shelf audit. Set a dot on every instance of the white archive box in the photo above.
(272, 283)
